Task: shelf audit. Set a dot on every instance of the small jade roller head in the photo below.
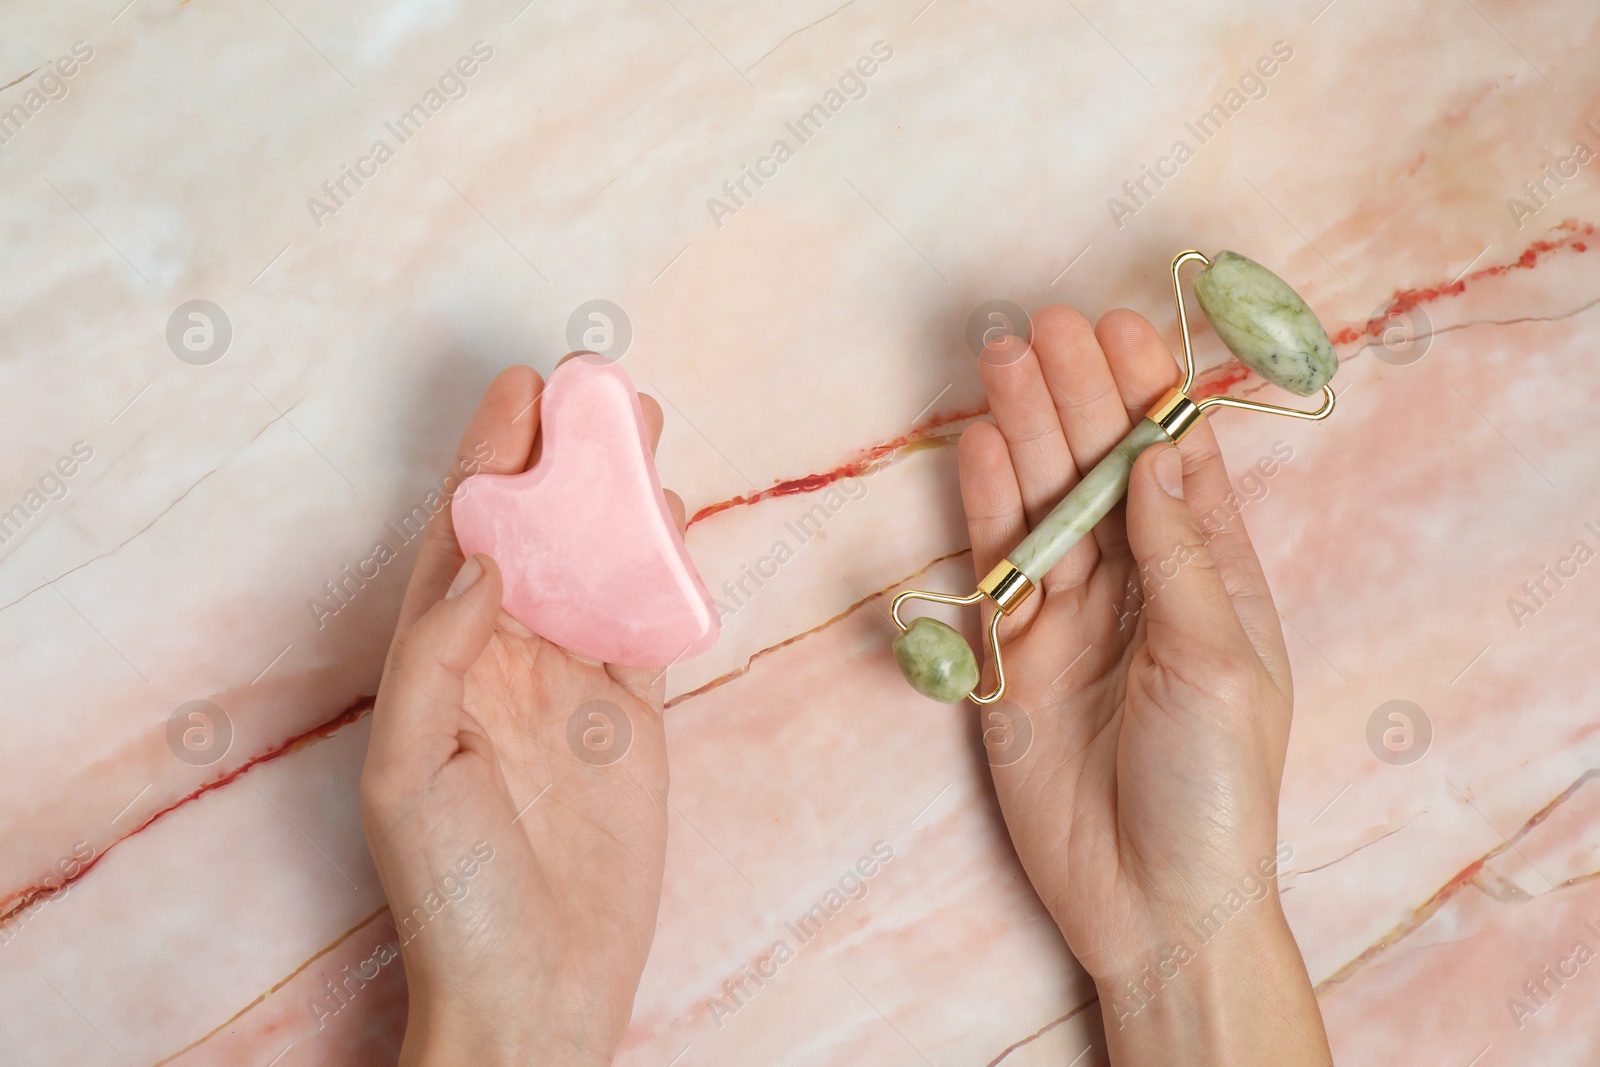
(936, 660)
(1266, 325)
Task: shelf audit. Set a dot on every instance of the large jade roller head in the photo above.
(1266, 325)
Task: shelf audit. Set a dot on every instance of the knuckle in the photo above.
(403, 651)
(1193, 550)
(1086, 400)
(1199, 449)
(440, 531)
(414, 645)
(1034, 435)
(1233, 672)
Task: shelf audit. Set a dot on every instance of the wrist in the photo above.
(448, 1031)
(1238, 995)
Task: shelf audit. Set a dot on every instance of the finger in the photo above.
(498, 440)
(418, 710)
(989, 495)
(653, 419)
(1022, 409)
(1140, 362)
(1081, 384)
(675, 505)
(1217, 509)
(1142, 370)
(1188, 616)
(992, 501)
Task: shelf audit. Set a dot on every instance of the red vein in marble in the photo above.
(285, 980)
(724, 679)
(120, 545)
(20, 80)
(1352, 852)
(22, 899)
(919, 437)
(1579, 237)
(1462, 878)
(1045, 1029)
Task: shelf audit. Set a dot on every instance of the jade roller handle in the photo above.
(1087, 503)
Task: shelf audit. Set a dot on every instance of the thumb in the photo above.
(423, 681)
(1186, 606)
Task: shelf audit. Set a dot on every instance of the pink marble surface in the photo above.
(1423, 157)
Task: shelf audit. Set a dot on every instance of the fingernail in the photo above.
(1169, 472)
(465, 578)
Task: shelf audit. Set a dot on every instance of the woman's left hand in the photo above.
(514, 798)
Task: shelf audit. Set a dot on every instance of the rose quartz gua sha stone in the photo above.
(591, 557)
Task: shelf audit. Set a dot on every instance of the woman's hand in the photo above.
(1151, 672)
(514, 797)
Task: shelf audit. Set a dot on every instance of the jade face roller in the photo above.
(1266, 325)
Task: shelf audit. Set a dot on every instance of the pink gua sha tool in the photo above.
(590, 554)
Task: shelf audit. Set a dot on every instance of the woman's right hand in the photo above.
(1150, 673)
